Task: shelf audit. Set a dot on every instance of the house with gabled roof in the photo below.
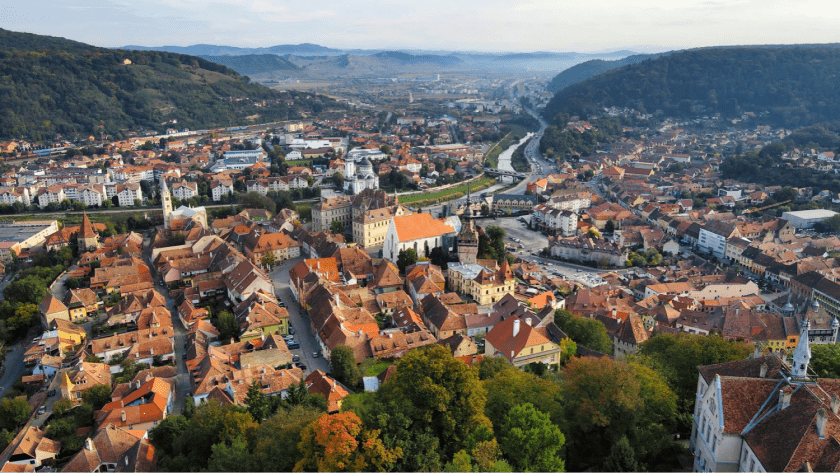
(520, 342)
(114, 448)
(34, 448)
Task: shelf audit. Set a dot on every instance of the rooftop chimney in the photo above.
(122, 416)
(835, 403)
(763, 372)
(89, 444)
(528, 321)
(822, 419)
(515, 327)
(152, 351)
(137, 384)
(784, 396)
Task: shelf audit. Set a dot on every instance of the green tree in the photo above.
(606, 399)
(825, 360)
(29, 290)
(13, 411)
(590, 333)
(609, 227)
(257, 402)
(232, 457)
(167, 432)
(255, 200)
(276, 441)
(676, 358)
(227, 326)
(622, 457)
(337, 227)
(300, 396)
(530, 441)
(344, 367)
(385, 149)
(593, 233)
(97, 396)
(460, 462)
(439, 393)
(268, 260)
(406, 258)
(62, 406)
(510, 386)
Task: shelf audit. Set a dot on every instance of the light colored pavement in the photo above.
(298, 319)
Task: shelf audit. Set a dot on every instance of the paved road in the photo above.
(299, 320)
(182, 380)
(12, 366)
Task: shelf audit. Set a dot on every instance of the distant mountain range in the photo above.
(788, 85)
(56, 86)
(253, 63)
(320, 58)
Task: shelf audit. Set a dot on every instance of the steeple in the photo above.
(166, 202)
(802, 353)
(87, 238)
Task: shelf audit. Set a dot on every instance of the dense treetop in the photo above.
(52, 85)
(792, 84)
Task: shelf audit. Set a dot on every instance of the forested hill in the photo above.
(52, 86)
(585, 70)
(791, 85)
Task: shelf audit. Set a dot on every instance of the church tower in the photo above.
(166, 201)
(468, 243)
(87, 239)
(802, 354)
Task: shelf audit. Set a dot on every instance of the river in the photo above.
(506, 155)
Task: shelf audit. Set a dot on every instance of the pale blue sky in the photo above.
(484, 25)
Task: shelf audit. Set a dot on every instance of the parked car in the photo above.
(293, 345)
(295, 358)
(291, 330)
(315, 354)
(51, 393)
(42, 409)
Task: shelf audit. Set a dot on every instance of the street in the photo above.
(298, 320)
(182, 379)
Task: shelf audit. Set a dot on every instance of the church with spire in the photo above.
(87, 239)
(767, 413)
(184, 217)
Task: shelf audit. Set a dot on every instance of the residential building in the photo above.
(520, 342)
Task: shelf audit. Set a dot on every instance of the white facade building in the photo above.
(128, 193)
(361, 178)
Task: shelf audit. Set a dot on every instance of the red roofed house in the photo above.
(519, 342)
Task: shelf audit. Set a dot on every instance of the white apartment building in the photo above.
(49, 194)
(184, 190)
(128, 193)
(10, 195)
(221, 187)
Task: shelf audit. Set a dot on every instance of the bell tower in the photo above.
(166, 202)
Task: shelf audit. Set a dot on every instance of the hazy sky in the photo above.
(485, 25)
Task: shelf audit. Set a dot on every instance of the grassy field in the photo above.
(374, 367)
(492, 157)
(299, 162)
(447, 194)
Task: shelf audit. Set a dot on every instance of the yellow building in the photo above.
(68, 333)
(519, 342)
(371, 226)
(486, 286)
